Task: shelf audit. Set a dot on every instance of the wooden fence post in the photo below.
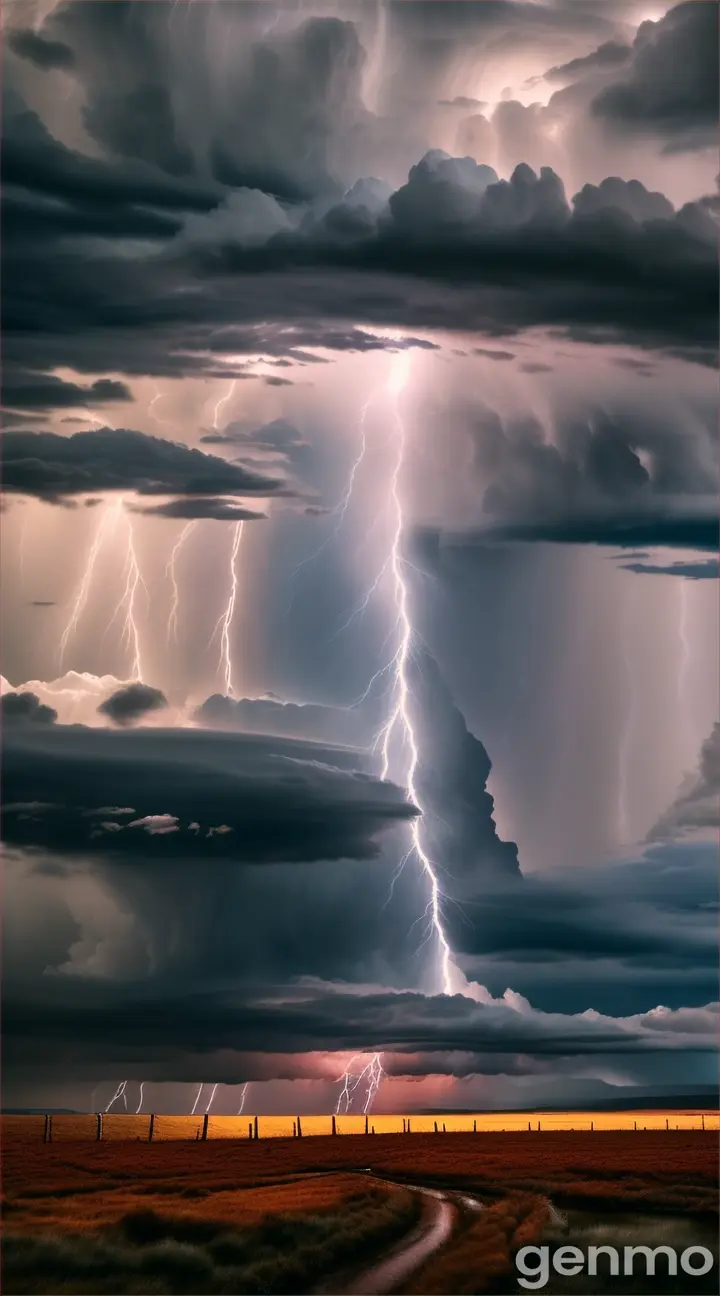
(592, 1125)
(435, 1127)
(367, 1124)
(667, 1124)
(98, 1132)
(334, 1126)
(257, 1130)
(702, 1119)
(529, 1125)
(250, 1130)
(409, 1130)
(403, 1124)
(538, 1125)
(47, 1132)
(206, 1122)
(474, 1127)
(444, 1129)
(300, 1133)
(151, 1130)
(635, 1125)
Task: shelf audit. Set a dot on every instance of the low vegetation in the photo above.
(480, 1259)
(149, 1253)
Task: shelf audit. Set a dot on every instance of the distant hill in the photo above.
(41, 1111)
(701, 1100)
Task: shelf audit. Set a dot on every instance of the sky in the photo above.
(359, 564)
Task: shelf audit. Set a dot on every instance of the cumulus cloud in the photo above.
(54, 467)
(25, 708)
(698, 803)
(126, 705)
(671, 85)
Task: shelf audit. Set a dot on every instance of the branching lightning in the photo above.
(171, 573)
(372, 1073)
(120, 1092)
(107, 526)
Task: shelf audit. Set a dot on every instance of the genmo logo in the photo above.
(535, 1262)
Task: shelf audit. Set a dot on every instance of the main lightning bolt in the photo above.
(400, 719)
(120, 1092)
(244, 1095)
(399, 722)
(133, 580)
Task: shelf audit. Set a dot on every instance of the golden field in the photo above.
(119, 1125)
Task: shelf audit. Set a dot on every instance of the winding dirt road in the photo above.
(436, 1225)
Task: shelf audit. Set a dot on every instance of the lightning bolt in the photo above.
(193, 1109)
(142, 1093)
(241, 1108)
(211, 1099)
(223, 401)
(107, 523)
(372, 1073)
(400, 719)
(225, 620)
(133, 581)
(170, 572)
(119, 1093)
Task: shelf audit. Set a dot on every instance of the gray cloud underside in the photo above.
(54, 467)
(274, 801)
(129, 1022)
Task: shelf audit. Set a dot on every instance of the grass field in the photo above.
(275, 1215)
(645, 1170)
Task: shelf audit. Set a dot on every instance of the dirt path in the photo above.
(435, 1227)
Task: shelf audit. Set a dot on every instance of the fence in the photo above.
(154, 1127)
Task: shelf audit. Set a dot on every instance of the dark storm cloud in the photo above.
(671, 86)
(708, 569)
(698, 803)
(507, 254)
(218, 510)
(25, 707)
(42, 391)
(609, 477)
(53, 467)
(131, 703)
(38, 49)
(134, 1021)
(278, 123)
(34, 162)
(250, 799)
(451, 781)
(623, 532)
(655, 910)
(608, 55)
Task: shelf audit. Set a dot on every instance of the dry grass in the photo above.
(68, 1181)
(151, 1252)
